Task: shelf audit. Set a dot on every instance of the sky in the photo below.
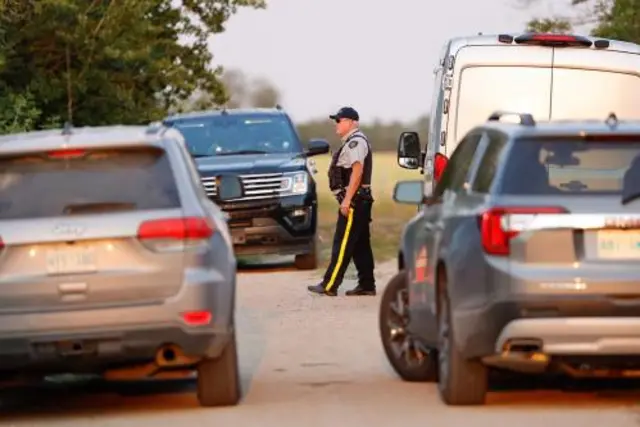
(376, 56)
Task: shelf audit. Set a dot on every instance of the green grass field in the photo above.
(388, 217)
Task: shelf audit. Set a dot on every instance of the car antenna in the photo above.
(612, 120)
(278, 107)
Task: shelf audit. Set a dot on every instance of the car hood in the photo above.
(250, 163)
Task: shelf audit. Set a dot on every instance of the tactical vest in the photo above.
(339, 176)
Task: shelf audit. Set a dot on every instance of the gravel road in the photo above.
(310, 361)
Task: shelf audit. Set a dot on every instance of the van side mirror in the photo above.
(409, 151)
(229, 187)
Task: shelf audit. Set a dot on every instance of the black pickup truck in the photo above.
(278, 212)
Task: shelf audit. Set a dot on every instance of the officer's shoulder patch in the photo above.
(353, 143)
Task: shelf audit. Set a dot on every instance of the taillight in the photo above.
(66, 154)
(495, 239)
(550, 39)
(439, 164)
(197, 318)
(175, 233)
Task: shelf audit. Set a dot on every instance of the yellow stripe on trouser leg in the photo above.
(343, 247)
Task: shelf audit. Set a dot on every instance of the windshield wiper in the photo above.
(233, 153)
(97, 207)
(198, 155)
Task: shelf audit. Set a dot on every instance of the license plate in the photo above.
(71, 260)
(618, 244)
(238, 237)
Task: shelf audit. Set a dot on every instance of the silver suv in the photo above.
(114, 261)
(525, 257)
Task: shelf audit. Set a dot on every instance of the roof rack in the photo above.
(67, 129)
(155, 127)
(526, 119)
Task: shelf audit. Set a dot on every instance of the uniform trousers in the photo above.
(352, 239)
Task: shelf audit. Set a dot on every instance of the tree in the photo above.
(110, 61)
(615, 19)
(264, 94)
(550, 25)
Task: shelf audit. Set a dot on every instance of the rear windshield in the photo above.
(571, 166)
(37, 185)
(220, 135)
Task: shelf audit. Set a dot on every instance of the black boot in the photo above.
(361, 290)
(320, 290)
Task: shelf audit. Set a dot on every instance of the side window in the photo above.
(457, 170)
(489, 163)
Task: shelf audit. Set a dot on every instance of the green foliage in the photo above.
(110, 61)
(550, 25)
(614, 19)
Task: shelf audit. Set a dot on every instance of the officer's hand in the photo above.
(345, 206)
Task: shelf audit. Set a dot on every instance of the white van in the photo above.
(549, 76)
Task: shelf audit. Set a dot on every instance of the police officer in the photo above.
(350, 182)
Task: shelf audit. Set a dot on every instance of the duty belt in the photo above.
(366, 188)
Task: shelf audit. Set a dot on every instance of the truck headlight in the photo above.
(295, 183)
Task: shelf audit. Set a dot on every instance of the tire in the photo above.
(308, 261)
(404, 352)
(461, 381)
(219, 379)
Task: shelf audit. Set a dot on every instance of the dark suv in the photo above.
(278, 213)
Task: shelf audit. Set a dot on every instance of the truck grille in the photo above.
(256, 186)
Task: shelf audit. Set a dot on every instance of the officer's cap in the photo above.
(345, 113)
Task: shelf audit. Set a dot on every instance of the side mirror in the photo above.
(229, 187)
(409, 151)
(409, 192)
(317, 146)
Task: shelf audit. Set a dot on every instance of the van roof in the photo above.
(457, 43)
(566, 128)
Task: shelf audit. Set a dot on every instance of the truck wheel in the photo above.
(308, 261)
(219, 379)
(412, 361)
(460, 381)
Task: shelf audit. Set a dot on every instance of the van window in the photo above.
(615, 92)
(483, 90)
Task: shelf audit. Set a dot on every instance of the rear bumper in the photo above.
(594, 336)
(98, 350)
(92, 338)
(562, 325)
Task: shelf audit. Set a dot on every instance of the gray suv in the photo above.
(114, 261)
(524, 257)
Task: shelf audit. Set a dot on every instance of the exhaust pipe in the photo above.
(169, 355)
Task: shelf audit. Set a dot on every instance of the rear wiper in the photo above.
(233, 153)
(97, 207)
(629, 197)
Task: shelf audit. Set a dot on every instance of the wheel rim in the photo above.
(404, 347)
(444, 342)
